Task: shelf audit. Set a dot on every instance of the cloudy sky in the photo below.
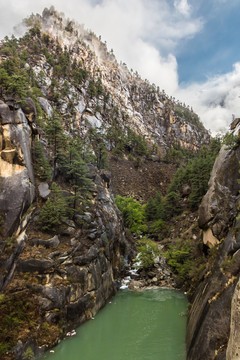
(190, 48)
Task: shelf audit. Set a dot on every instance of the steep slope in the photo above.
(106, 91)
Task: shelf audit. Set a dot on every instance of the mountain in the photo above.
(80, 133)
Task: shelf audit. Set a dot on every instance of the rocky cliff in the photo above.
(124, 98)
(54, 281)
(213, 327)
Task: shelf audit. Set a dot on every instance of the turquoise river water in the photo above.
(147, 325)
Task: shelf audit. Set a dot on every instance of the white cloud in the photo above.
(183, 7)
(216, 100)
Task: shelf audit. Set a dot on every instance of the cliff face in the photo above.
(213, 327)
(68, 275)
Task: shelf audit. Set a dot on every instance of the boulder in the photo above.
(29, 109)
(209, 239)
(32, 265)
(16, 195)
(47, 108)
(50, 243)
(5, 114)
(44, 191)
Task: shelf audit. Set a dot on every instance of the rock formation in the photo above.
(213, 329)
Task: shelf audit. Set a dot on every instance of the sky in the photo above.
(189, 48)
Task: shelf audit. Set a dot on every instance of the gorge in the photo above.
(102, 172)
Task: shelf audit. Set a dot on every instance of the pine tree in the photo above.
(4, 80)
(77, 171)
(102, 155)
(41, 165)
(56, 137)
(172, 205)
(54, 210)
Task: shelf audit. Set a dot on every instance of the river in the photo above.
(148, 325)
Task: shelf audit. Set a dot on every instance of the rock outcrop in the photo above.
(17, 184)
(213, 315)
(71, 275)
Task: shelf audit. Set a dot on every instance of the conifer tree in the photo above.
(56, 137)
(41, 165)
(77, 171)
(54, 210)
(102, 155)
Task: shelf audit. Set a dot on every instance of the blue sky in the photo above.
(189, 48)
(216, 47)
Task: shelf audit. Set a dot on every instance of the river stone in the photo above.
(32, 265)
(43, 189)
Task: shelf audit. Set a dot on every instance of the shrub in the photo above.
(28, 354)
(157, 228)
(133, 214)
(147, 252)
(154, 208)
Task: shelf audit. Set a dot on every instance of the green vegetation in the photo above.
(54, 211)
(231, 140)
(77, 173)
(147, 252)
(186, 261)
(196, 174)
(189, 116)
(41, 165)
(28, 354)
(133, 214)
(17, 313)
